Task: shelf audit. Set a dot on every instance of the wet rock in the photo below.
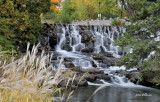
(67, 47)
(102, 49)
(120, 53)
(132, 76)
(97, 56)
(107, 42)
(107, 54)
(68, 59)
(54, 58)
(87, 37)
(83, 83)
(93, 64)
(72, 84)
(87, 50)
(91, 77)
(115, 35)
(67, 41)
(46, 48)
(109, 61)
(103, 65)
(74, 41)
(104, 76)
(43, 39)
(90, 45)
(67, 33)
(90, 71)
(69, 64)
(53, 41)
(98, 81)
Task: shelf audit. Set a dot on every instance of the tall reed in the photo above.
(29, 78)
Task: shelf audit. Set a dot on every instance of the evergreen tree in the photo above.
(142, 36)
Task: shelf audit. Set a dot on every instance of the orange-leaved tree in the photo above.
(56, 4)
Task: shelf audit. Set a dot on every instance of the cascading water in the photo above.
(104, 39)
(92, 47)
(75, 39)
(70, 37)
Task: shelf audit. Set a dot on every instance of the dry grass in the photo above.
(28, 79)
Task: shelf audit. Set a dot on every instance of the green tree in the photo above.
(142, 35)
(66, 12)
(20, 21)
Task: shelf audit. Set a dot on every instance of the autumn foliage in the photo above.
(56, 5)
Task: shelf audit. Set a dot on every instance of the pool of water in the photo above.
(116, 94)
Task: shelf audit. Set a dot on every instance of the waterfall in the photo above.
(81, 44)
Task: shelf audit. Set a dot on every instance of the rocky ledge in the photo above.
(81, 77)
(146, 77)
